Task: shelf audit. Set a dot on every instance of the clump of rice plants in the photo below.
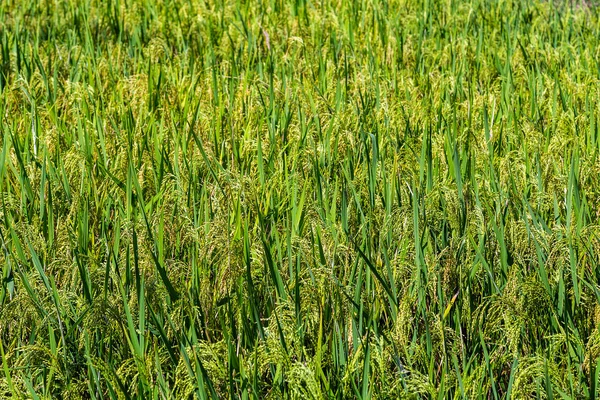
(299, 199)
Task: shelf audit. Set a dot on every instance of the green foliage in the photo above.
(299, 199)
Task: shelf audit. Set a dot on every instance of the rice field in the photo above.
(299, 199)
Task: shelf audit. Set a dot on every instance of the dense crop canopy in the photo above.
(299, 199)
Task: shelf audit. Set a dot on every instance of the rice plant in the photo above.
(324, 199)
